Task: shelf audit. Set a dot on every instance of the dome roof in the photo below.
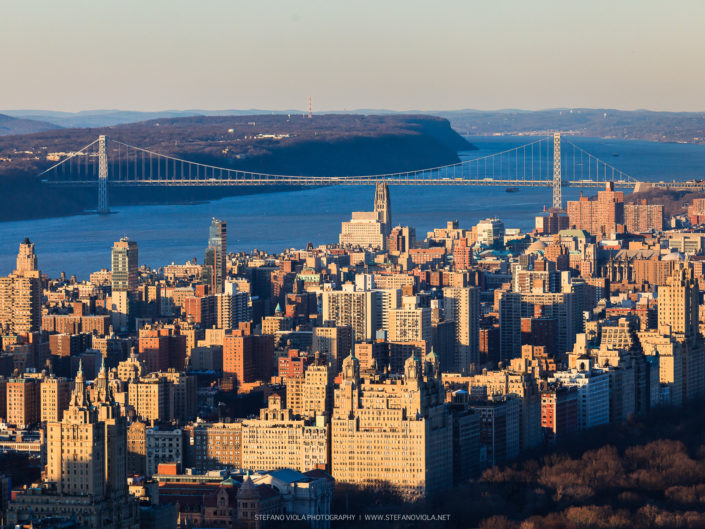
(536, 246)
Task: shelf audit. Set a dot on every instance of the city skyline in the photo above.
(385, 361)
(348, 312)
(397, 55)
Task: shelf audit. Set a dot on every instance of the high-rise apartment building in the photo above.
(559, 306)
(23, 402)
(598, 216)
(500, 430)
(164, 445)
(216, 256)
(364, 230)
(593, 388)
(217, 445)
(55, 396)
(489, 233)
(678, 304)
(26, 258)
(393, 432)
(26, 301)
(462, 254)
(410, 323)
(386, 300)
(559, 412)
(311, 394)
(352, 308)
(247, 358)
(462, 305)
(21, 295)
(149, 397)
(124, 261)
(333, 342)
(137, 448)
(86, 472)
(161, 349)
(643, 217)
(232, 308)
(401, 239)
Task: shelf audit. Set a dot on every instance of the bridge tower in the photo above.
(103, 206)
(557, 201)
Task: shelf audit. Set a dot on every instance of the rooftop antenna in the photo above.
(310, 107)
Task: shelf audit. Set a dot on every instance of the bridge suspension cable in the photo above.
(542, 162)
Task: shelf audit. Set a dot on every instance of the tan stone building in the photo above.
(86, 475)
(21, 294)
(130, 369)
(335, 342)
(365, 229)
(311, 395)
(137, 448)
(55, 396)
(410, 323)
(23, 401)
(217, 445)
(278, 440)
(393, 432)
(149, 397)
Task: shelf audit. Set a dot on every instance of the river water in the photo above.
(274, 221)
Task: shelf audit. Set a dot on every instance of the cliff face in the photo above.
(336, 145)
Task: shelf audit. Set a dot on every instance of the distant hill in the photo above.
(684, 127)
(109, 118)
(331, 144)
(10, 125)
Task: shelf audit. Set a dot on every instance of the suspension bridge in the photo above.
(544, 162)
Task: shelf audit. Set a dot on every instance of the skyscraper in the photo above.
(396, 434)
(462, 305)
(383, 205)
(86, 472)
(216, 256)
(370, 229)
(21, 294)
(124, 281)
(678, 305)
(124, 265)
(26, 258)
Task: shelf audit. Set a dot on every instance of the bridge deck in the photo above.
(343, 181)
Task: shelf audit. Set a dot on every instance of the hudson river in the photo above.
(274, 221)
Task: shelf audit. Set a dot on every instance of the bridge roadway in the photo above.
(266, 180)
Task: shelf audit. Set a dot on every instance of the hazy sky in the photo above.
(397, 54)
